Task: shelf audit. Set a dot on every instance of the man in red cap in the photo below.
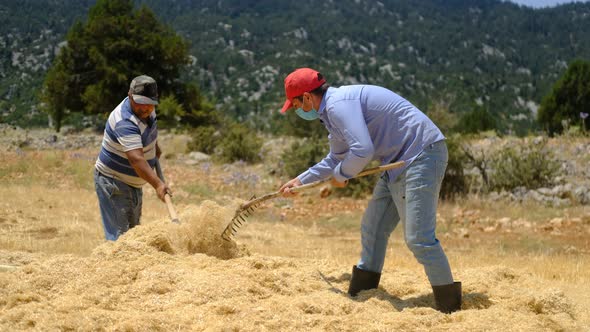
(365, 123)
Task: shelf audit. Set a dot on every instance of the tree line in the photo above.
(118, 41)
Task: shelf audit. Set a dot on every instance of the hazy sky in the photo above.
(544, 3)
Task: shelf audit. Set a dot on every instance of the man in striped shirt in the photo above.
(127, 158)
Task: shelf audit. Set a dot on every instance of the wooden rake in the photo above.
(247, 208)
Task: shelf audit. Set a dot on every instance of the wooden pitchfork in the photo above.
(167, 198)
(247, 208)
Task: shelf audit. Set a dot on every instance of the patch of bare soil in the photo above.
(163, 277)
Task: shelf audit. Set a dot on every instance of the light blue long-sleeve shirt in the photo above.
(365, 123)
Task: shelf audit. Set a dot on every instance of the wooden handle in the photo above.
(381, 168)
(167, 198)
(368, 171)
(159, 171)
(171, 210)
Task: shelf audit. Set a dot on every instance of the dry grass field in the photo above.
(524, 267)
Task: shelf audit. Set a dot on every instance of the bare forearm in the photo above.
(143, 169)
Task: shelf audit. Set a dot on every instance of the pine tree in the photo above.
(569, 97)
(92, 72)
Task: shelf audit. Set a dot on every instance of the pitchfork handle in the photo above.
(167, 199)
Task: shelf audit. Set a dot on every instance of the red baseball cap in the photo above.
(300, 81)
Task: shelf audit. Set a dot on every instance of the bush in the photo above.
(169, 112)
(303, 154)
(569, 96)
(478, 120)
(442, 117)
(239, 143)
(455, 182)
(204, 139)
(530, 165)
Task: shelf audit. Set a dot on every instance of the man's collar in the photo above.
(323, 103)
(127, 107)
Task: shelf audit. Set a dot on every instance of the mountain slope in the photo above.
(453, 52)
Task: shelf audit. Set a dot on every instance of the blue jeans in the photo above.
(120, 205)
(411, 198)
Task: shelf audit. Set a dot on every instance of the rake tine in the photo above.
(225, 236)
(238, 220)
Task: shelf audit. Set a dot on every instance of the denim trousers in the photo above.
(412, 199)
(120, 205)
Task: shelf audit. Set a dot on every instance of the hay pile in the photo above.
(163, 277)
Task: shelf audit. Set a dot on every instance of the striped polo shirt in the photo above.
(124, 132)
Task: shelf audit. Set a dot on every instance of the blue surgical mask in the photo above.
(309, 116)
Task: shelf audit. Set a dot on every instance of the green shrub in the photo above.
(303, 154)
(239, 143)
(204, 139)
(169, 112)
(440, 114)
(569, 96)
(477, 120)
(455, 181)
(530, 165)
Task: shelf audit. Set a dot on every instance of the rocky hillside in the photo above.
(459, 54)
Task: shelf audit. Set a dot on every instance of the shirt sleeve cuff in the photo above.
(307, 177)
(338, 175)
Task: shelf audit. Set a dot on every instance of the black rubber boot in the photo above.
(362, 280)
(448, 297)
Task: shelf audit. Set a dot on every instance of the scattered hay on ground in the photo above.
(199, 232)
(163, 276)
